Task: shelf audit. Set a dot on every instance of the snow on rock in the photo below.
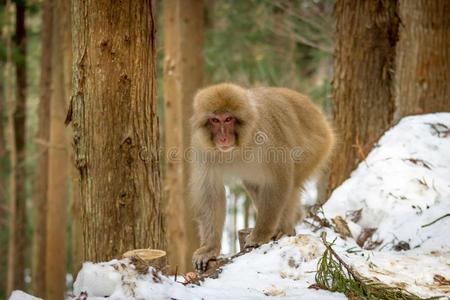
(403, 184)
(106, 277)
(19, 295)
(119, 279)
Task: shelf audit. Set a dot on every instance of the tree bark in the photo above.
(43, 139)
(115, 127)
(3, 109)
(183, 76)
(6, 96)
(74, 195)
(363, 101)
(423, 57)
(16, 256)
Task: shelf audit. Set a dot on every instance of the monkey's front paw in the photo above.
(255, 240)
(202, 256)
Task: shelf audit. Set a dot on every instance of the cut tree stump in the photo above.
(243, 233)
(144, 258)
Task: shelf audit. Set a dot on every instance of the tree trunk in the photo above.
(74, 184)
(16, 256)
(3, 150)
(56, 247)
(284, 43)
(43, 139)
(6, 90)
(183, 75)
(423, 57)
(363, 102)
(115, 127)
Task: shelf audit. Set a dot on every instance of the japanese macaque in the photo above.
(272, 139)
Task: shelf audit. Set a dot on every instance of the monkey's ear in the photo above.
(198, 121)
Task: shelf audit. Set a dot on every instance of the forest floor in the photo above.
(374, 222)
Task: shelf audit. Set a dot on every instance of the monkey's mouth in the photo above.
(225, 148)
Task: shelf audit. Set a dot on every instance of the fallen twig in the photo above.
(438, 219)
(441, 130)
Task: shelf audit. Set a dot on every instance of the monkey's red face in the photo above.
(223, 130)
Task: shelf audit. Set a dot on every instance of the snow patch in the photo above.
(19, 295)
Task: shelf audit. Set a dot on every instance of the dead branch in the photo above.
(438, 219)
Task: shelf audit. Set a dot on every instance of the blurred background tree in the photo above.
(182, 77)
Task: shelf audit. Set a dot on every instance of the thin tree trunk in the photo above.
(16, 262)
(56, 247)
(423, 57)
(43, 139)
(183, 76)
(283, 41)
(115, 127)
(4, 162)
(3, 150)
(363, 102)
(3, 108)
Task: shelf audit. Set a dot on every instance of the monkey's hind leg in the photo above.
(293, 213)
(269, 202)
(252, 191)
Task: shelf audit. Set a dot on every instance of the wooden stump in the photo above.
(144, 258)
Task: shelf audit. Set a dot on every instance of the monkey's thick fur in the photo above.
(282, 138)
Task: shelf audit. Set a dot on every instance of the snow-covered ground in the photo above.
(404, 183)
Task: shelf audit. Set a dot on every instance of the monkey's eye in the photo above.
(215, 120)
(229, 119)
